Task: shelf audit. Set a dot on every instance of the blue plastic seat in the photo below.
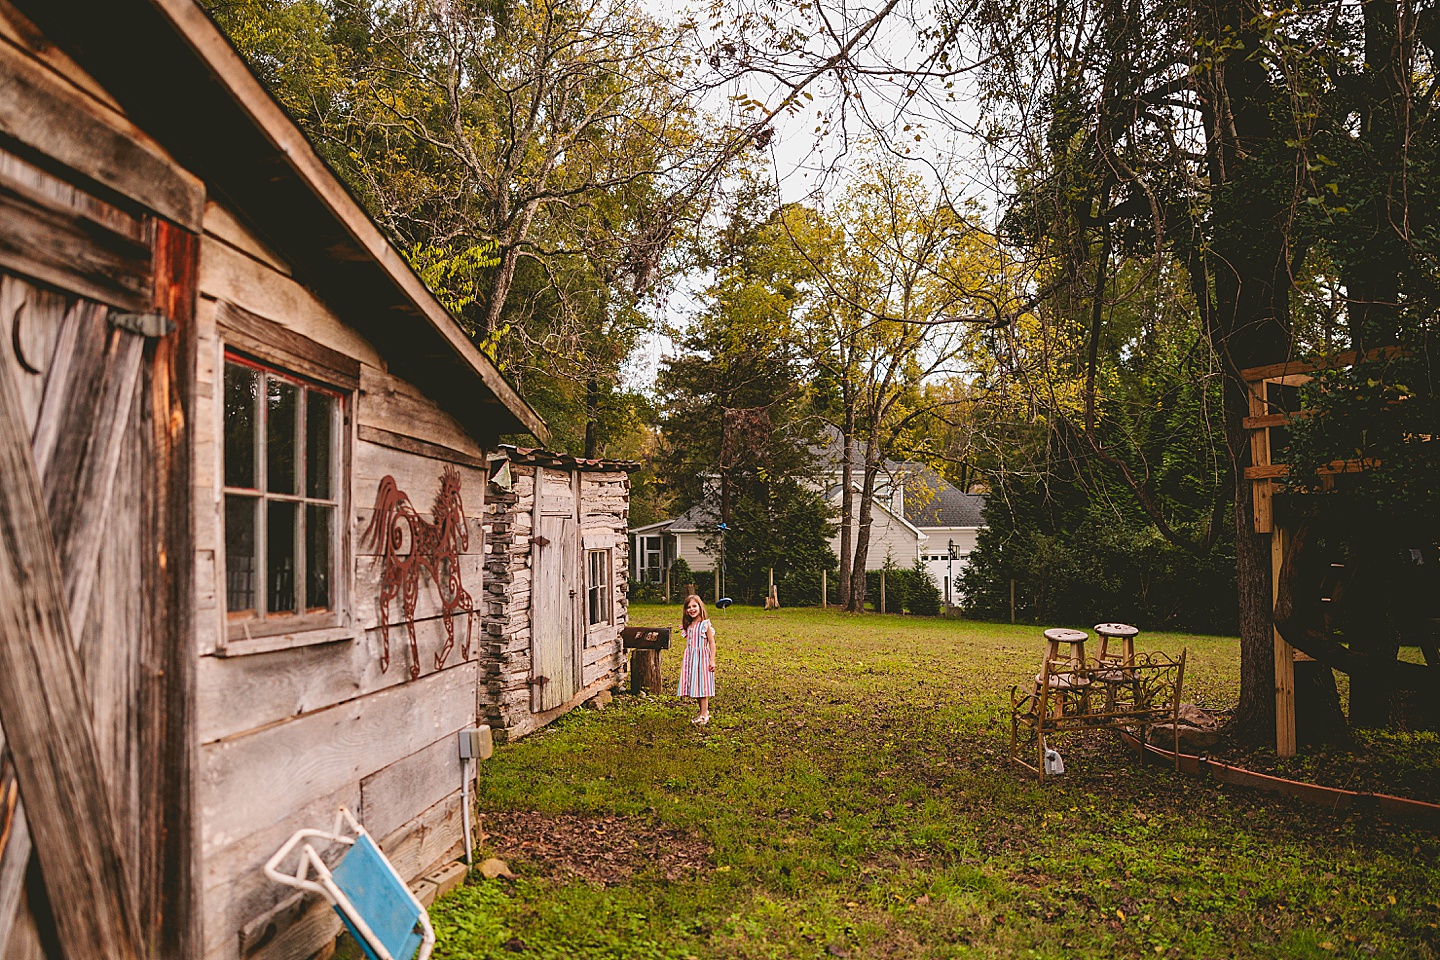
(370, 884)
(371, 898)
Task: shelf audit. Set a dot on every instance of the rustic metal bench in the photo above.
(1130, 691)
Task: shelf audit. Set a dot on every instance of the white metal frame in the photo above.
(324, 882)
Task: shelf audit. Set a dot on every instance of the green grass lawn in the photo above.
(851, 798)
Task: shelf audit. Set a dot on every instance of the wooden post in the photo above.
(882, 589)
(1012, 599)
(45, 711)
(645, 674)
(1284, 658)
(667, 584)
(717, 583)
(824, 587)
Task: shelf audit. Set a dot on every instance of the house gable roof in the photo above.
(932, 501)
(178, 77)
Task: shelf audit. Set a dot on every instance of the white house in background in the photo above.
(917, 515)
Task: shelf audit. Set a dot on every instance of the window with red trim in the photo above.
(282, 486)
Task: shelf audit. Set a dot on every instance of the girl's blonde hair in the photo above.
(685, 619)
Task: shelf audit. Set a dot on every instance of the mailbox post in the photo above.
(647, 642)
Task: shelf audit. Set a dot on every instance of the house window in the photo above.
(652, 564)
(282, 496)
(597, 586)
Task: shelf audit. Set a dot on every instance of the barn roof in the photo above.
(178, 77)
(534, 457)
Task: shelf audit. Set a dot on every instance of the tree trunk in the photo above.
(847, 508)
(1245, 304)
(862, 537)
(592, 418)
(1256, 709)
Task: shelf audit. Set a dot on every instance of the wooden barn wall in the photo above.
(98, 219)
(603, 515)
(288, 735)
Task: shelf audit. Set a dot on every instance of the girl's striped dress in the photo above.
(696, 677)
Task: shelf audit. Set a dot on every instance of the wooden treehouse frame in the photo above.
(1263, 474)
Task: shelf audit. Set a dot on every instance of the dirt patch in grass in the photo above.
(599, 850)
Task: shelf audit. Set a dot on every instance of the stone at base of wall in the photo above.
(600, 701)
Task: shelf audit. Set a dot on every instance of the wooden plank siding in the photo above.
(107, 416)
(320, 724)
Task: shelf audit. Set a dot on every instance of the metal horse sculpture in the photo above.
(435, 548)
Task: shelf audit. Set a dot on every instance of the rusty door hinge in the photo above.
(151, 325)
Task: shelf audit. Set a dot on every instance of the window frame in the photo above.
(257, 343)
(652, 572)
(607, 601)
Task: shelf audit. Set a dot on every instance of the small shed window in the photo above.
(282, 493)
(597, 586)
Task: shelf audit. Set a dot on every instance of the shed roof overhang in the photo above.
(179, 78)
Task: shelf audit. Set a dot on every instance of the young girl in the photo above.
(697, 668)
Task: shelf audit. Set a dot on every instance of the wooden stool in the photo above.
(1117, 631)
(1117, 662)
(1061, 681)
(1075, 639)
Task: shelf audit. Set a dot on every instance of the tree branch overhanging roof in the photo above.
(180, 79)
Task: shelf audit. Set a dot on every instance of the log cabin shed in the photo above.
(247, 461)
(556, 527)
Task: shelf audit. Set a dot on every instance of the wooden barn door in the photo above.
(96, 362)
(557, 592)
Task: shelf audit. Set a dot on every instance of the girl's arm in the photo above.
(710, 640)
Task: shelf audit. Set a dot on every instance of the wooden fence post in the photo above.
(824, 587)
(667, 584)
(1012, 599)
(46, 715)
(717, 583)
(882, 589)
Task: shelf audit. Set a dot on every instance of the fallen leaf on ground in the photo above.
(602, 850)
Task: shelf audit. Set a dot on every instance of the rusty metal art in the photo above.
(434, 548)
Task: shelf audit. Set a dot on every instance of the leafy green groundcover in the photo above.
(854, 788)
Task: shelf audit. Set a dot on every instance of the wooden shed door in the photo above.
(99, 380)
(557, 593)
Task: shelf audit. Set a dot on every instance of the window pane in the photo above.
(319, 527)
(242, 386)
(280, 556)
(282, 401)
(240, 565)
(319, 444)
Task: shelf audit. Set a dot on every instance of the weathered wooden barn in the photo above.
(245, 575)
(555, 526)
